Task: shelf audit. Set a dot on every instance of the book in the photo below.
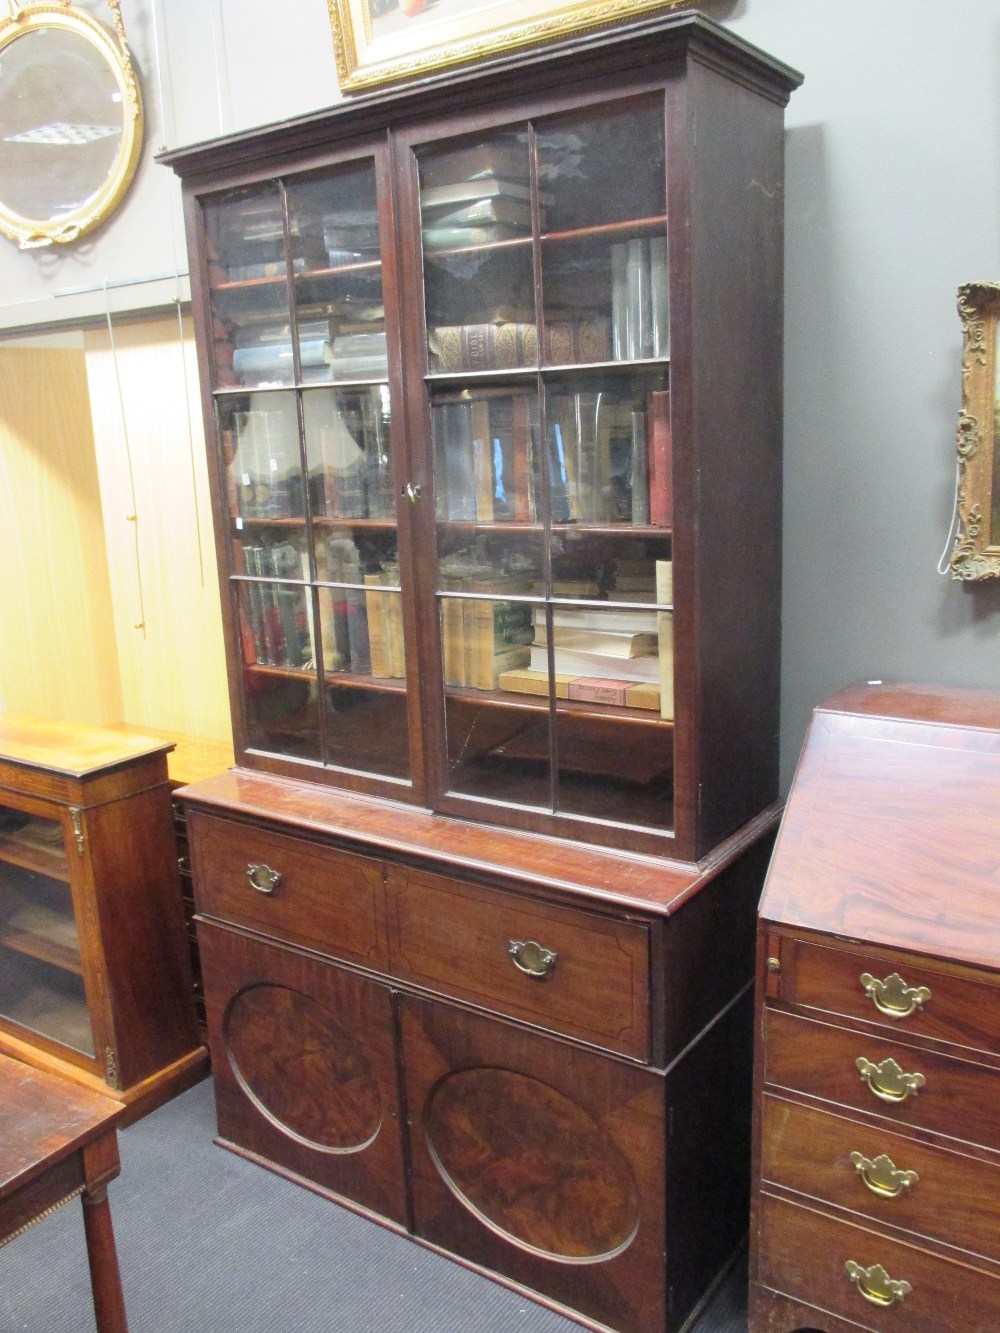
(596, 618)
(482, 453)
(665, 634)
(508, 344)
(580, 662)
(643, 695)
(607, 643)
(660, 459)
(497, 633)
(439, 237)
(493, 158)
(454, 461)
(522, 680)
(639, 470)
(593, 689)
(639, 341)
(470, 191)
(376, 613)
(480, 211)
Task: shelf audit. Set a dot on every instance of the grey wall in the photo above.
(893, 200)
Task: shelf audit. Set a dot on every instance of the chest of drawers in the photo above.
(876, 1177)
(513, 1056)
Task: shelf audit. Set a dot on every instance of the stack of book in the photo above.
(384, 612)
(482, 636)
(475, 196)
(358, 356)
(345, 637)
(505, 344)
(264, 352)
(483, 449)
(277, 628)
(350, 235)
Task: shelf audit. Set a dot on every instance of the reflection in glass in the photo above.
(609, 450)
(485, 456)
(348, 453)
(259, 435)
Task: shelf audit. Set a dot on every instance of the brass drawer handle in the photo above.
(893, 997)
(531, 958)
(876, 1285)
(263, 878)
(882, 1176)
(887, 1080)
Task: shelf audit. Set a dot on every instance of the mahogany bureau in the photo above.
(876, 1198)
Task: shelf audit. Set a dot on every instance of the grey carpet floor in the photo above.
(209, 1243)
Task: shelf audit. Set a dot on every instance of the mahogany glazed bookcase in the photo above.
(491, 371)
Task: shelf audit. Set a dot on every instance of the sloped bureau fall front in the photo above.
(491, 377)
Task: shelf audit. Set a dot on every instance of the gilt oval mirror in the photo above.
(70, 123)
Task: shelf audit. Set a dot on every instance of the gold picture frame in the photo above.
(71, 122)
(377, 42)
(977, 545)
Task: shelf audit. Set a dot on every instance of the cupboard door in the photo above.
(41, 966)
(305, 1075)
(538, 1161)
(547, 346)
(301, 377)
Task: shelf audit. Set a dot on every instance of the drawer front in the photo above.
(323, 899)
(957, 1097)
(805, 1255)
(457, 939)
(942, 1194)
(906, 998)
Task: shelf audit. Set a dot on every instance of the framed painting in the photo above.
(377, 42)
(977, 546)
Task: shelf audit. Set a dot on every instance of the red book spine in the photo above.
(661, 482)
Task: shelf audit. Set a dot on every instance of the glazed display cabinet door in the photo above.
(547, 347)
(41, 966)
(301, 392)
(538, 1162)
(305, 1076)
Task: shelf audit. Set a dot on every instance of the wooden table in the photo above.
(57, 1143)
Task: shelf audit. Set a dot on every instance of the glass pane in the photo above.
(251, 321)
(338, 276)
(41, 974)
(485, 447)
(609, 450)
(604, 255)
(348, 453)
(500, 754)
(475, 208)
(259, 435)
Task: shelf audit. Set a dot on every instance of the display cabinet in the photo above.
(94, 982)
(876, 1149)
(491, 371)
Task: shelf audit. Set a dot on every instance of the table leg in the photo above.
(105, 1277)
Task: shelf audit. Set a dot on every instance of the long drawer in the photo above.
(905, 998)
(573, 972)
(289, 890)
(956, 1097)
(806, 1254)
(945, 1195)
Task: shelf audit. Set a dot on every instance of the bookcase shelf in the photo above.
(48, 861)
(517, 795)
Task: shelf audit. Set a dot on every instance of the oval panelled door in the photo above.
(301, 1069)
(532, 1165)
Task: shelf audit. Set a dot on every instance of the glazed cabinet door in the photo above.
(300, 376)
(541, 1162)
(304, 1067)
(543, 365)
(43, 987)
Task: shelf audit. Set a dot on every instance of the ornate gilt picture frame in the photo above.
(377, 42)
(70, 122)
(977, 546)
